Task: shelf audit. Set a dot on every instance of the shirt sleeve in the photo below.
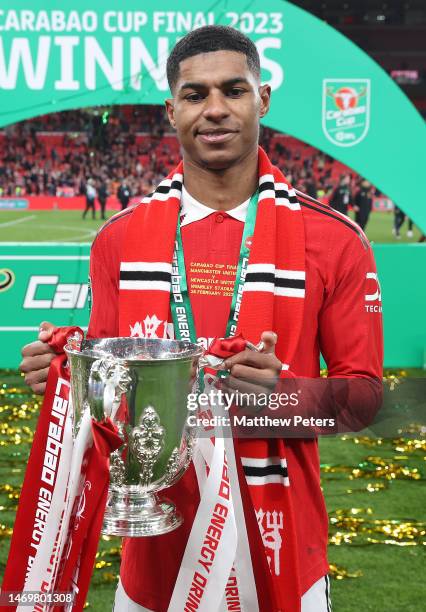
(351, 339)
(351, 342)
(350, 321)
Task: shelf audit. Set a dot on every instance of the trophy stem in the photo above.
(131, 512)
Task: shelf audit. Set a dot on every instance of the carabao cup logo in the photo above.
(7, 278)
(346, 110)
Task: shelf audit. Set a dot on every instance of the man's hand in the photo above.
(36, 359)
(252, 372)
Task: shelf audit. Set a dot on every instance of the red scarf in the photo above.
(273, 299)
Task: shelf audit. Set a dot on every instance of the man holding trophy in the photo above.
(224, 246)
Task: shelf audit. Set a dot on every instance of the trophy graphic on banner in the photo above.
(142, 386)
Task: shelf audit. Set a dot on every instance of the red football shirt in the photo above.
(338, 322)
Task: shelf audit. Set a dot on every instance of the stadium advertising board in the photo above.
(49, 282)
(40, 282)
(326, 91)
(46, 202)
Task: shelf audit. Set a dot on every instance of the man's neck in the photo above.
(222, 189)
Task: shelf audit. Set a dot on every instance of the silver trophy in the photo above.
(142, 385)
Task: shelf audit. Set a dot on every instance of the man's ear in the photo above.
(171, 111)
(265, 99)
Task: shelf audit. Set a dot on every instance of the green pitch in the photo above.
(68, 226)
(47, 226)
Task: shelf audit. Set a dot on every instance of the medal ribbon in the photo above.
(183, 318)
(204, 575)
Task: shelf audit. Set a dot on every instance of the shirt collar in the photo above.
(192, 210)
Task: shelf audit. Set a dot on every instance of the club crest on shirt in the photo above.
(271, 526)
(152, 327)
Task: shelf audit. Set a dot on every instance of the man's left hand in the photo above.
(252, 371)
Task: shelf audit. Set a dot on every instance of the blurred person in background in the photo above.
(363, 204)
(103, 196)
(311, 186)
(399, 218)
(90, 198)
(123, 195)
(341, 196)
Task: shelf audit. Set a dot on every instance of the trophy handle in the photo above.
(108, 380)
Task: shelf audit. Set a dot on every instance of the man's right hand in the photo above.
(36, 359)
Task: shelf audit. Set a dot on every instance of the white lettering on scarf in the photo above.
(50, 467)
(40, 568)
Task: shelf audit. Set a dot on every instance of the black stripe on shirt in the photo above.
(113, 219)
(347, 223)
(305, 196)
(269, 277)
(329, 209)
(327, 593)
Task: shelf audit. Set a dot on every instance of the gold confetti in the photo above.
(102, 564)
(356, 526)
(339, 573)
(375, 467)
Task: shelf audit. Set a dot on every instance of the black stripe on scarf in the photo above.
(293, 283)
(260, 277)
(280, 193)
(162, 189)
(176, 185)
(132, 275)
(266, 186)
(166, 188)
(267, 470)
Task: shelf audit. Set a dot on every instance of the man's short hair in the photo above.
(206, 40)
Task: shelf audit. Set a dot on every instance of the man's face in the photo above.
(216, 108)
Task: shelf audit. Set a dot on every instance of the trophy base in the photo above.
(134, 514)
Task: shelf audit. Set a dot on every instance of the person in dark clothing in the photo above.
(341, 196)
(311, 186)
(102, 197)
(90, 199)
(123, 195)
(363, 204)
(398, 220)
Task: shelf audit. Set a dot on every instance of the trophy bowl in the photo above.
(142, 386)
